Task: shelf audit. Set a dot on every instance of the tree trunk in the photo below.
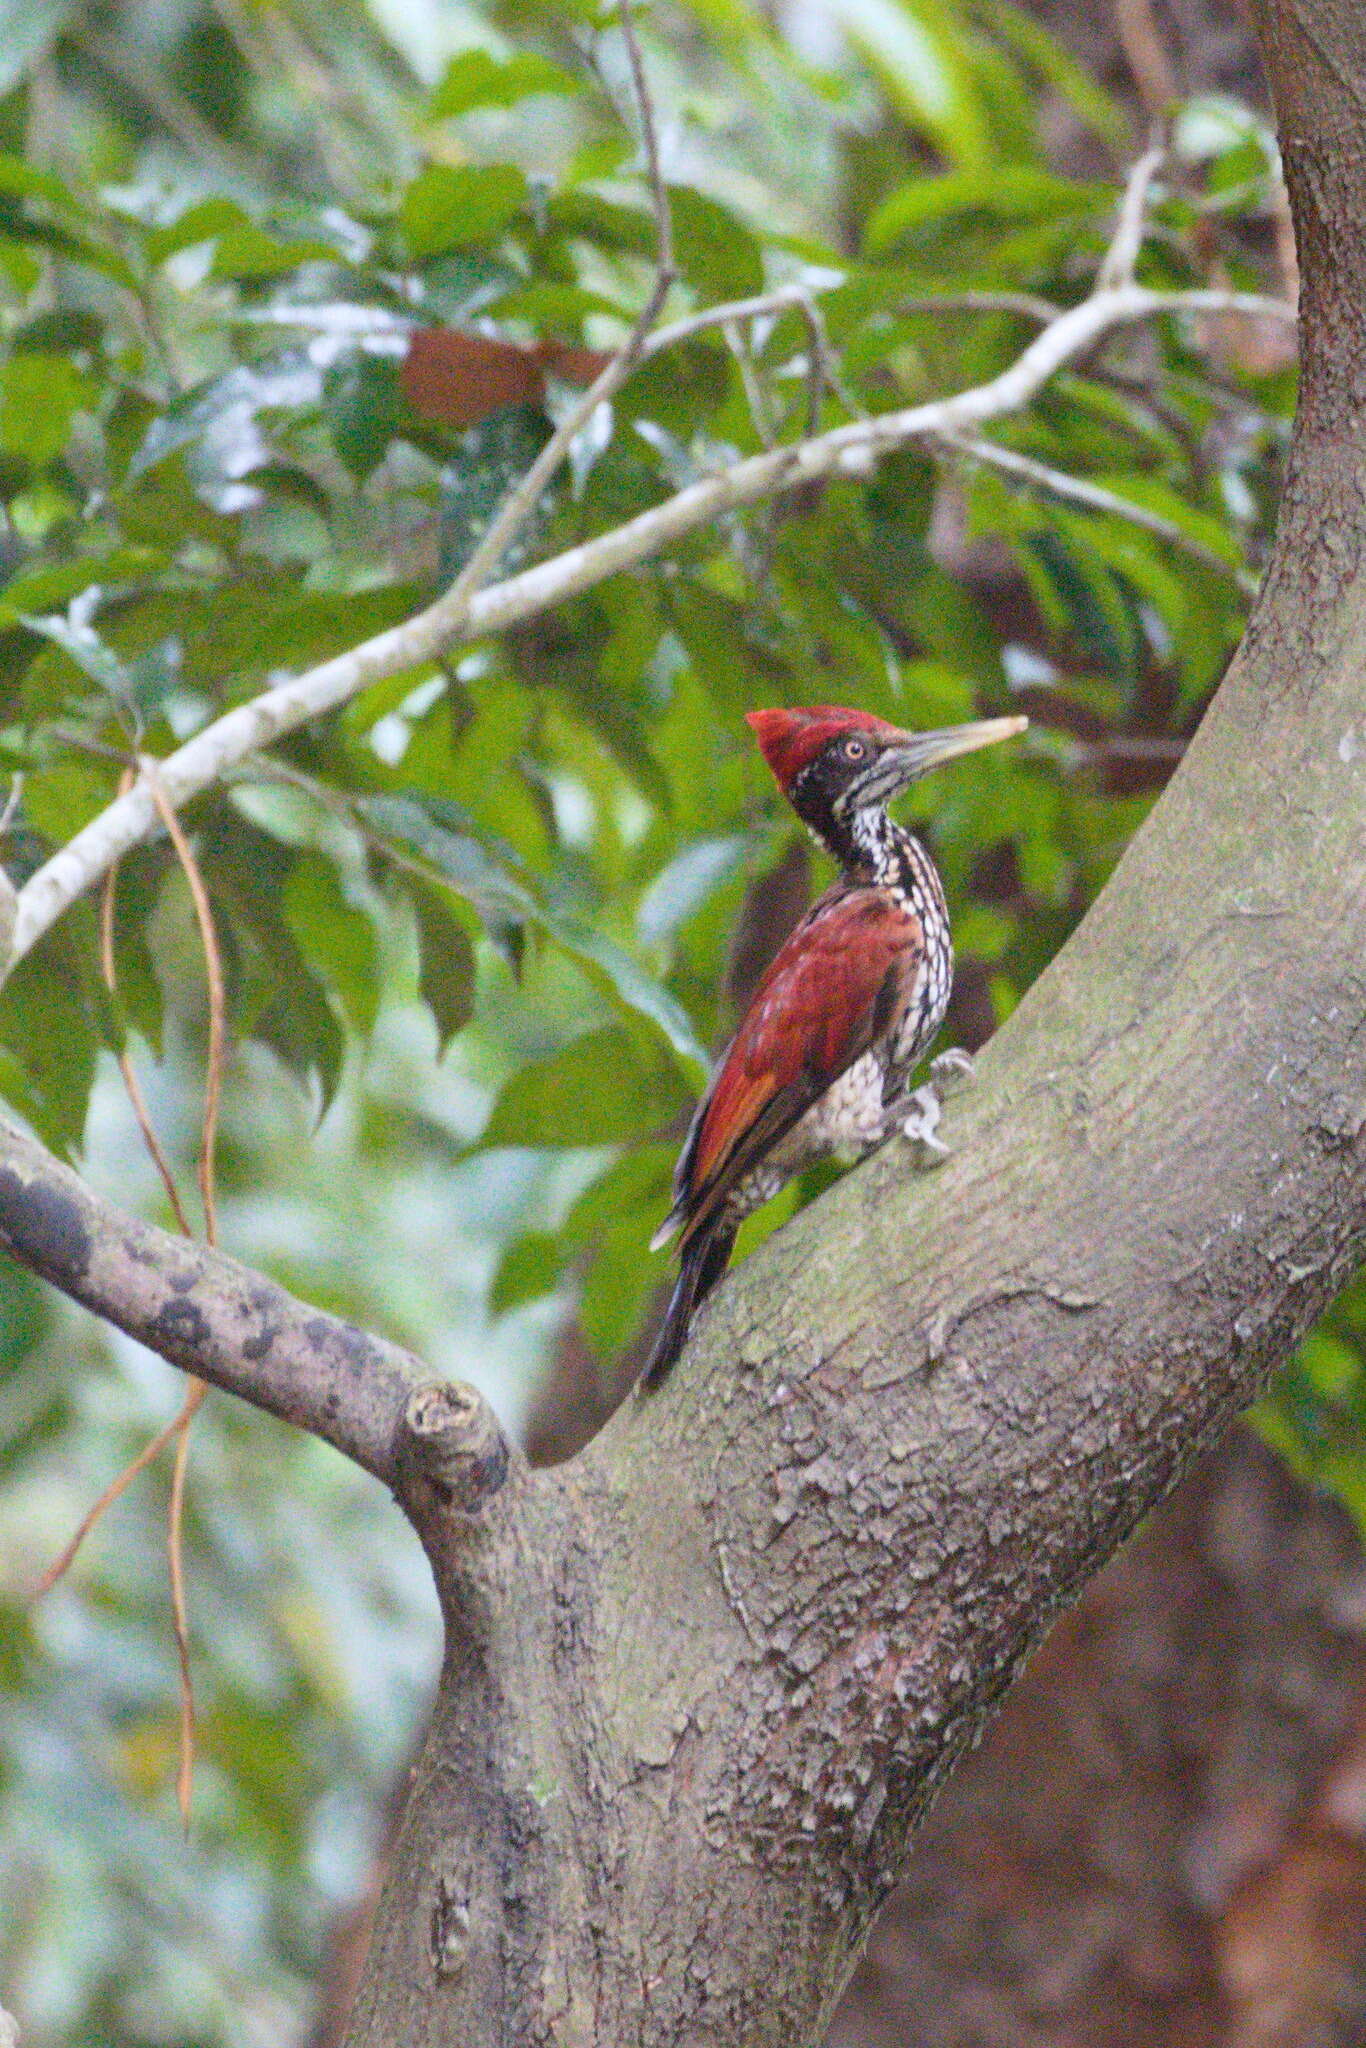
(1162, 1841)
(701, 1683)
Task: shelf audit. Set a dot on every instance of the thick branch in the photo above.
(210, 1316)
(458, 616)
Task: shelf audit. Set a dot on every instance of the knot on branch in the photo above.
(450, 1446)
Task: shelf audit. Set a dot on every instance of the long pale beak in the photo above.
(913, 755)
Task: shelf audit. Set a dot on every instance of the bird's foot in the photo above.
(926, 1104)
(921, 1125)
(950, 1067)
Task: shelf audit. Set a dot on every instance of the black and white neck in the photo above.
(871, 848)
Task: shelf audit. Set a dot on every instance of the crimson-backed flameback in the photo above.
(822, 1059)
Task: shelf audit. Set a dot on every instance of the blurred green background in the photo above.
(478, 925)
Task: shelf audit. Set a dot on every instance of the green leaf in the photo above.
(433, 832)
(686, 883)
(609, 1085)
(334, 937)
(26, 181)
(366, 411)
(40, 395)
(1056, 66)
(1200, 526)
(139, 688)
(21, 268)
(617, 975)
(437, 832)
(493, 455)
(476, 79)
(1008, 192)
(529, 1268)
(619, 1280)
(445, 963)
(273, 991)
(715, 250)
(634, 1186)
(452, 209)
(47, 1049)
(43, 586)
(242, 247)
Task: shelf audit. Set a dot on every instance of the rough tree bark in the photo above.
(700, 1683)
(1162, 1841)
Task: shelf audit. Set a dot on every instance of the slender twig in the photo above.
(213, 968)
(378, 324)
(177, 1427)
(62, 1563)
(649, 136)
(783, 298)
(1146, 54)
(132, 1085)
(456, 618)
(213, 1090)
(754, 396)
(1028, 305)
(175, 1556)
(1096, 498)
(809, 308)
(1117, 264)
(522, 499)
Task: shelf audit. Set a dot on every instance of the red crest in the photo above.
(791, 739)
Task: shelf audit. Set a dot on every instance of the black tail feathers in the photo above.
(703, 1262)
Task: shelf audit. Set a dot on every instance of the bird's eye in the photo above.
(854, 750)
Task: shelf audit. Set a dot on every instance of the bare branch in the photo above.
(1081, 491)
(204, 1312)
(649, 136)
(1117, 264)
(1027, 304)
(456, 618)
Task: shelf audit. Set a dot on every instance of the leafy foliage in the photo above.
(221, 232)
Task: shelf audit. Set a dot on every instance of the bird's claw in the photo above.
(922, 1123)
(950, 1067)
(926, 1104)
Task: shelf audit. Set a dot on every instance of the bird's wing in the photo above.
(832, 992)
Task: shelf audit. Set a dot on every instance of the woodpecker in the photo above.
(823, 1057)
